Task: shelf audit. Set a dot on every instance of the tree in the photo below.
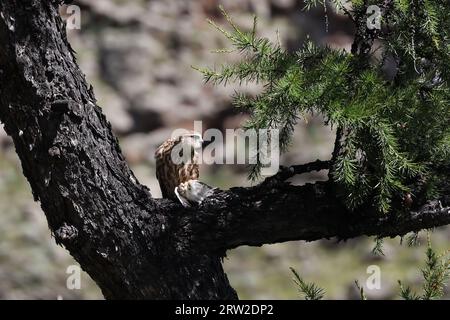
(135, 246)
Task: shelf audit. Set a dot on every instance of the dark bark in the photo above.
(282, 212)
(132, 245)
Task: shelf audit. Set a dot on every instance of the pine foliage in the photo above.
(436, 274)
(309, 290)
(395, 130)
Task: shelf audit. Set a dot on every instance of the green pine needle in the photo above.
(309, 290)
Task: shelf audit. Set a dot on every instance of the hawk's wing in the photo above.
(164, 168)
(161, 176)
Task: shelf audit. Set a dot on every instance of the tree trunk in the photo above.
(134, 246)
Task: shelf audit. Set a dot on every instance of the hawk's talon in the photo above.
(183, 201)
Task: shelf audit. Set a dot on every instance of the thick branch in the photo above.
(263, 214)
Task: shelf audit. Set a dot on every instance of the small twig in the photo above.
(337, 143)
(288, 172)
(337, 148)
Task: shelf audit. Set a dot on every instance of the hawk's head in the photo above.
(191, 139)
(186, 147)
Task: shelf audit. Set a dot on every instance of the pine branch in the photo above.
(390, 134)
(436, 274)
(378, 248)
(361, 290)
(309, 290)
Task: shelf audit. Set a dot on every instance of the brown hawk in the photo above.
(177, 162)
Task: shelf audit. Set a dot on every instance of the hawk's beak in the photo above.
(205, 143)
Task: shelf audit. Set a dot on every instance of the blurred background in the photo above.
(138, 56)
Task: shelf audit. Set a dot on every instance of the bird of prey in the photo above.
(177, 162)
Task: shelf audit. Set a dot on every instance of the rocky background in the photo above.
(138, 56)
